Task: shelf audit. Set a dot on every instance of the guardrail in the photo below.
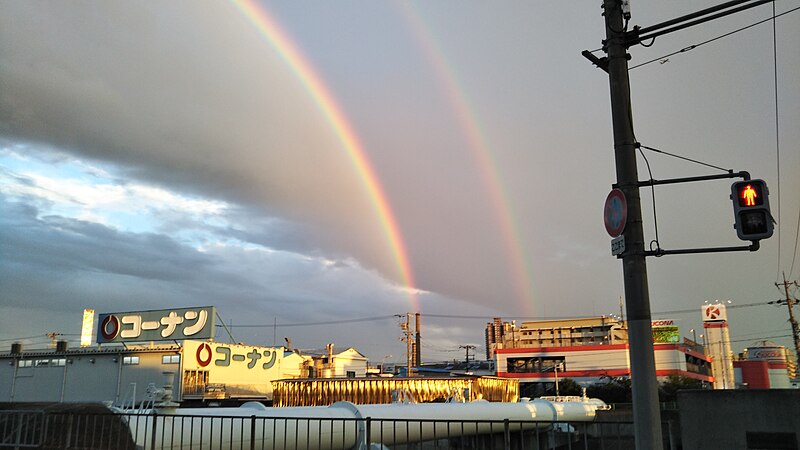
(45, 430)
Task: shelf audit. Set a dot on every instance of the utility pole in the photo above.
(408, 339)
(466, 348)
(417, 342)
(647, 422)
(629, 238)
(790, 303)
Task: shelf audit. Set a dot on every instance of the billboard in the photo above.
(665, 331)
(714, 313)
(156, 325)
(87, 327)
(768, 352)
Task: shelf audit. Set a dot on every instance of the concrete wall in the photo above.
(740, 419)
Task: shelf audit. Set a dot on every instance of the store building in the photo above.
(587, 364)
(198, 371)
(554, 333)
(764, 365)
(349, 363)
(586, 350)
(137, 352)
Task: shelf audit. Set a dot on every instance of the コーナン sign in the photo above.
(158, 325)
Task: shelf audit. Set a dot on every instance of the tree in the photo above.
(566, 386)
(668, 390)
(611, 390)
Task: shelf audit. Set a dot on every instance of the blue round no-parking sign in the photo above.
(615, 213)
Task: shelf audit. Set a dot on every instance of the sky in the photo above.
(317, 170)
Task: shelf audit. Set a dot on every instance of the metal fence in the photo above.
(45, 430)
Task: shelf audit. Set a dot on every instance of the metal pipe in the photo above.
(343, 424)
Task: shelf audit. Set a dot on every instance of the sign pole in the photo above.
(646, 413)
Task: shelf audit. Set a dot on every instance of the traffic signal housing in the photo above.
(751, 210)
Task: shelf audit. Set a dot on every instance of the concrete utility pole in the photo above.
(466, 348)
(417, 342)
(646, 413)
(409, 340)
(789, 303)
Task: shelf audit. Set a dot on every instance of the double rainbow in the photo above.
(259, 17)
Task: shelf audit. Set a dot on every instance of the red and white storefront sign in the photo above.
(592, 362)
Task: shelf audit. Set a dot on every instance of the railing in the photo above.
(42, 430)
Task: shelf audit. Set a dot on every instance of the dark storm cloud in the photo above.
(58, 244)
(189, 97)
(198, 104)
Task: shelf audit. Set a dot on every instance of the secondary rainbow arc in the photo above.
(490, 174)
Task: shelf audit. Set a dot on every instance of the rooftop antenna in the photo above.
(230, 336)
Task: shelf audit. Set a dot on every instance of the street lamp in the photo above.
(555, 369)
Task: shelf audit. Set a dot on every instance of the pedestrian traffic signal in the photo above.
(751, 210)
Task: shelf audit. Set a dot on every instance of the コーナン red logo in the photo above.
(109, 328)
(203, 354)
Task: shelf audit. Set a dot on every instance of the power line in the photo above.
(694, 46)
(466, 317)
(40, 336)
(762, 338)
(796, 236)
(777, 133)
(439, 316)
(309, 324)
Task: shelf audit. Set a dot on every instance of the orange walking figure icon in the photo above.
(749, 195)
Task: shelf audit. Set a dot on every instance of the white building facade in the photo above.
(588, 364)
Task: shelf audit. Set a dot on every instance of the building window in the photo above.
(25, 363)
(351, 374)
(130, 360)
(522, 365)
(59, 362)
(170, 359)
(42, 362)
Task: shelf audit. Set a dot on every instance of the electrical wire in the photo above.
(308, 324)
(694, 46)
(659, 313)
(45, 338)
(685, 158)
(796, 236)
(653, 189)
(777, 121)
(40, 336)
(440, 349)
(777, 133)
(761, 338)
(653, 193)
